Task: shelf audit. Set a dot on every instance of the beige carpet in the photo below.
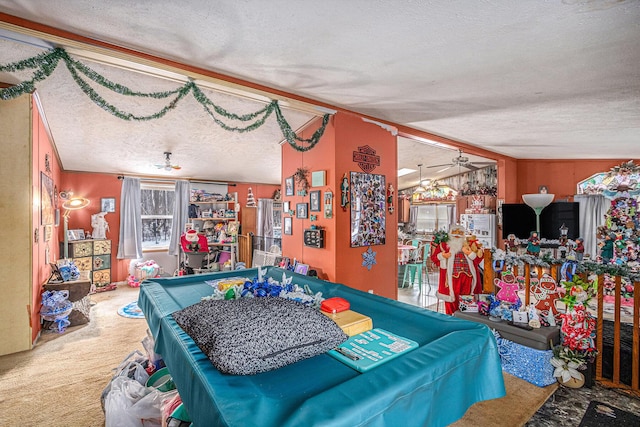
(59, 382)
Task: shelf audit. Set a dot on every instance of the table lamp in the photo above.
(68, 206)
(538, 202)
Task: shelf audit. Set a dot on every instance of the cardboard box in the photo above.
(351, 322)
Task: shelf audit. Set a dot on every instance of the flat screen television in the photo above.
(520, 219)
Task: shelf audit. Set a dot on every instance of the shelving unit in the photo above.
(216, 217)
(93, 256)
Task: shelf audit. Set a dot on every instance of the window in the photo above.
(157, 214)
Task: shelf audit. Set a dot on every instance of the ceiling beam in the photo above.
(143, 62)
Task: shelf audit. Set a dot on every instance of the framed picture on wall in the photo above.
(302, 210)
(46, 200)
(287, 225)
(288, 186)
(108, 204)
(314, 201)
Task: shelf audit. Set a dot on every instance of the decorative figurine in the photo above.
(459, 274)
(510, 244)
(344, 187)
(251, 201)
(579, 249)
(606, 248)
(100, 226)
(533, 247)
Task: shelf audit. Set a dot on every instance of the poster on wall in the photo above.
(368, 208)
(46, 200)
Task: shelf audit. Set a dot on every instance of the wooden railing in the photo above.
(614, 381)
(245, 249)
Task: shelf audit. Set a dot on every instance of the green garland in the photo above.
(45, 63)
(547, 261)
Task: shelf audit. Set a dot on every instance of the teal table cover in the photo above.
(456, 365)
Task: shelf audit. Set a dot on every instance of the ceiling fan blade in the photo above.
(438, 166)
(176, 167)
(469, 166)
(442, 170)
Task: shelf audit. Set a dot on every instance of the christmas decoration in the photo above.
(369, 258)
(251, 201)
(508, 291)
(45, 63)
(344, 188)
(547, 261)
(545, 292)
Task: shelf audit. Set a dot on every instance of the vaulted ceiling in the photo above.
(529, 80)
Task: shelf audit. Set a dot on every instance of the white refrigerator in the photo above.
(483, 226)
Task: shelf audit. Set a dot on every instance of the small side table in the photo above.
(78, 296)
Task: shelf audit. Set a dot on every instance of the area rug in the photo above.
(131, 311)
(602, 415)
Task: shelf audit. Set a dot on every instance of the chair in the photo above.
(417, 267)
(195, 248)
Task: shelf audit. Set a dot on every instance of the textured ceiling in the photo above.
(553, 79)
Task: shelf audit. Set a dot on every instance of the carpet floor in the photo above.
(59, 382)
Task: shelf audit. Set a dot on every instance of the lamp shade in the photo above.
(538, 200)
(75, 203)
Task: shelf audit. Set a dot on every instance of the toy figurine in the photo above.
(533, 247)
(510, 244)
(579, 249)
(606, 250)
(459, 273)
(344, 186)
(100, 226)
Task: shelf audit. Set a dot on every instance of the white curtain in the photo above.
(130, 245)
(180, 215)
(593, 208)
(264, 227)
(413, 216)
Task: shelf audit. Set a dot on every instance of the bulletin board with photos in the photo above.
(368, 209)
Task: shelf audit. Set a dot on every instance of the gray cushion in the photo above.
(251, 335)
(540, 339)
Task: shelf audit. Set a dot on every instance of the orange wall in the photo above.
(560, 176)
(95, 186)
(320, 158)
(352, 132)
(260, 191)
(334, 154)
(42, 148)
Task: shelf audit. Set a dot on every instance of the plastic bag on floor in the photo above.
(124, 394)
(133, 367)
(149, 408)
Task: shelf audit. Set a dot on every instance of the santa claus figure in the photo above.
(459, 273)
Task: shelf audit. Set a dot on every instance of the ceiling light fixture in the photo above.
(420, 189)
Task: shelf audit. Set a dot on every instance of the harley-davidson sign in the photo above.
(366, 158)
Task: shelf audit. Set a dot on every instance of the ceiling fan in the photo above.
(462, 161)
(167, 163)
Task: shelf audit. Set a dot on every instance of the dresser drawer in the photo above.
(101, 247)
(80, 249)
(101, 277)
(84, 263)
(101, 262)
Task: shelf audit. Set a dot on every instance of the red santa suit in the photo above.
(459, 273)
